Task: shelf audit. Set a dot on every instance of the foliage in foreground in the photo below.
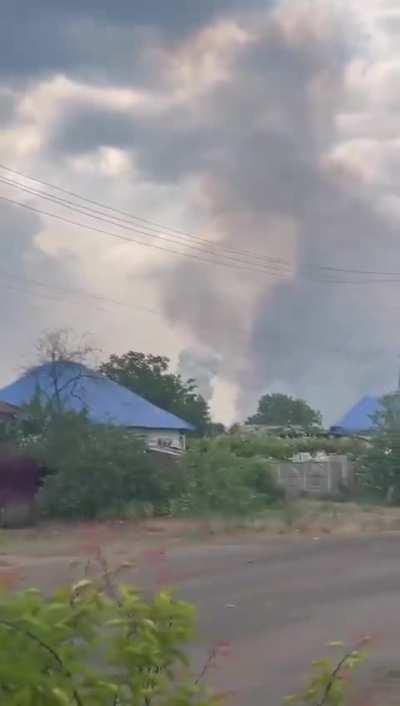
(82, 647)
(97, 645)
(330, 681)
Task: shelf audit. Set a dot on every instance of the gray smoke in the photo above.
(201, 367)
(271, 188)
(257, 124)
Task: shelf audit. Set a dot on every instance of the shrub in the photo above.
(216, 480)
(330, 682)
(94, 469)
(281, 449)
(380, 466)
(82, 647)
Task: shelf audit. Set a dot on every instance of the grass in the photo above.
(298, 517)
(302, 517)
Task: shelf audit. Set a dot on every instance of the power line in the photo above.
(152, 225)
(62, 300)
(85, 212)
(44, 295)
(230, 264)
(118, 236)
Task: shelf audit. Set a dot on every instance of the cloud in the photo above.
(272, 167)
(98, 41)
(269, 128)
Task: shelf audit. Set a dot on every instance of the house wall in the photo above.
(164, 440)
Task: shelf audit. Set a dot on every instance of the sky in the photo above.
(251, 154)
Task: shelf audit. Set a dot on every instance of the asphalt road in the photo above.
(279, 603)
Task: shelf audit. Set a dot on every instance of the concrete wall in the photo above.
(328, 477)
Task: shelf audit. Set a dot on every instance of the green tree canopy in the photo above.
(380, 471)
(149, 376)
(282, 410)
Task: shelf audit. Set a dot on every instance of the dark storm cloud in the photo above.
(97, 39)
(161, 155)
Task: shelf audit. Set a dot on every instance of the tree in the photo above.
(149, 376)
(283, 410)
(380, 469)
(94, 471)
(57, 349)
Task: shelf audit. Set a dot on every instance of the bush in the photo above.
(82, 647)
(216, 480)
(380, 466)
(94, 470)
(282, 449)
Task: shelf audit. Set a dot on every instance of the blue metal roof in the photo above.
(358, 419)
(80, 388)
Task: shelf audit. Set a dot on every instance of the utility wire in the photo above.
(88, 213)
(29, 290)
(155, 227)
(151, 225)
(118, 236)
(231, 263)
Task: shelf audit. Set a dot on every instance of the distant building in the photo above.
(358, 421)
(78, 388)
(7, 411)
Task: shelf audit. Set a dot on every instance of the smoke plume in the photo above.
(287, 184)
(201, 367)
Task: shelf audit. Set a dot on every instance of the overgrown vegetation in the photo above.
(216, 480)
(103, 472)
(95, 471)
(380, 465)
(283, 449)
(92, 644)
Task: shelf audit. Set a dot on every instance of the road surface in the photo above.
(279, 603)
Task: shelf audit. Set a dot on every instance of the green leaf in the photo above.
(62, 697)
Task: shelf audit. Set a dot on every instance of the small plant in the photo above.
(330, 681)
(216, 480)
(93, 645)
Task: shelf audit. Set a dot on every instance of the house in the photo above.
(7, 411)
(76, 388)
(358, 421)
